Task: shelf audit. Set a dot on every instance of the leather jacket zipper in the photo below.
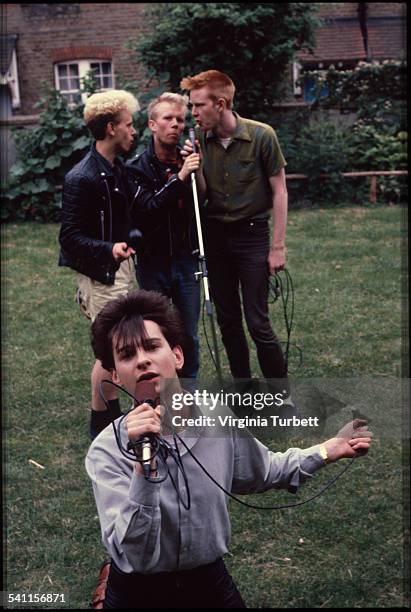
(102, 223)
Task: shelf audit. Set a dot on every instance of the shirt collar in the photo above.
(241, 131)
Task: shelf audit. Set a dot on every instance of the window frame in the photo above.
(83, 66)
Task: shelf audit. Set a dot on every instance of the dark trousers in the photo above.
(207, 586)
(175, 278)
(237, 256)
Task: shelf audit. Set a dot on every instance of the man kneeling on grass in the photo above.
(166, 552)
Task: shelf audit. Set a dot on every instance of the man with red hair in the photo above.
(244, 170)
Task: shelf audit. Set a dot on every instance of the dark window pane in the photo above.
(73, 69)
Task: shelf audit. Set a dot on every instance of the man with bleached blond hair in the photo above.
(97, 220)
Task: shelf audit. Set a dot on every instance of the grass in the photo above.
(345, 549)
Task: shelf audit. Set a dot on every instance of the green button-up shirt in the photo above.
(238, 177)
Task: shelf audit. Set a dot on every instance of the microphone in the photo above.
(145, 393)
(192, 137)
(134, 239)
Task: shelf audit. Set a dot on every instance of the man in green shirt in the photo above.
(243, 168)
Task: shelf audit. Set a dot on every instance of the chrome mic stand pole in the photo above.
(202, 272)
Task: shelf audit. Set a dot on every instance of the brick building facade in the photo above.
(50, 40)
(359, 31)
(52, 34)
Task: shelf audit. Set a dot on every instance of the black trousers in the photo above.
(237, 256)
(206, 586)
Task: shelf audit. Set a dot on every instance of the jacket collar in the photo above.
(151, 152)
(104, 166)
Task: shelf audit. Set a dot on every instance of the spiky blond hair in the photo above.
(105, 107)
(109, 102)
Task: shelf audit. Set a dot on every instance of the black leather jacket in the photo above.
(164, 209)
(96, 214)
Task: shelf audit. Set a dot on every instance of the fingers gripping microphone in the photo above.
(145, 393)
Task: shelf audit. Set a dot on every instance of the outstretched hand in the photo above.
(353, 440)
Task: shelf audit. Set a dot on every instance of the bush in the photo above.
(376, 141)
(253, 43)
(319, 147)
(46, 154)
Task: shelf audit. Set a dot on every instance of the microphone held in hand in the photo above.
(134, 241)
(145, 393)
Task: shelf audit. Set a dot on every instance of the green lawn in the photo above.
(345, 549)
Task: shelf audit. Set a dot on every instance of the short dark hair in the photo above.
(98, 125)
(123, 319)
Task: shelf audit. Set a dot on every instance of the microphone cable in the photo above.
(279, 289)
(162, 449)
(279, 507)
(210, 350)
(284, 290)
(165, 450)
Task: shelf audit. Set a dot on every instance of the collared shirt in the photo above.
(238, 177)
(145, 528)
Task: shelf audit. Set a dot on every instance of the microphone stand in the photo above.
(202, 266)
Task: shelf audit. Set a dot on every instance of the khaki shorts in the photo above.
(92, 296)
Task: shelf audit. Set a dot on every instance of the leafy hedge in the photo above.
(46, 153)
(315, 143)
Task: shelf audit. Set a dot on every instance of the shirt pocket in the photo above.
(247, 169)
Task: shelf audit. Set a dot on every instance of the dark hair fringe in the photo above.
(124, 317)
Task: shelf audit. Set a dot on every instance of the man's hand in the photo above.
(192, 163)
(144, 419)
(122, 251)
(276, 259)
(188, 148)
(353, 440)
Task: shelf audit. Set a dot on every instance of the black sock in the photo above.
(115, 411)
(101, 418)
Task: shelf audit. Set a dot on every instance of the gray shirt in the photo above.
(144, 526)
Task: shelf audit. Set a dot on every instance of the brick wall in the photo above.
(340, 38)
(46, 29)
(47, 33)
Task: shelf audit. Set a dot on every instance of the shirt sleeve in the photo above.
(257, 469)
(128, 508)
(272, 157)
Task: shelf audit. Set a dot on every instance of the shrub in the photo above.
(46, 153)
(376, 140)
(319, 147)
(253, 43)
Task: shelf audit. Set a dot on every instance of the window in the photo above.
(307, 87)
(69, 77)
(9, 74)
